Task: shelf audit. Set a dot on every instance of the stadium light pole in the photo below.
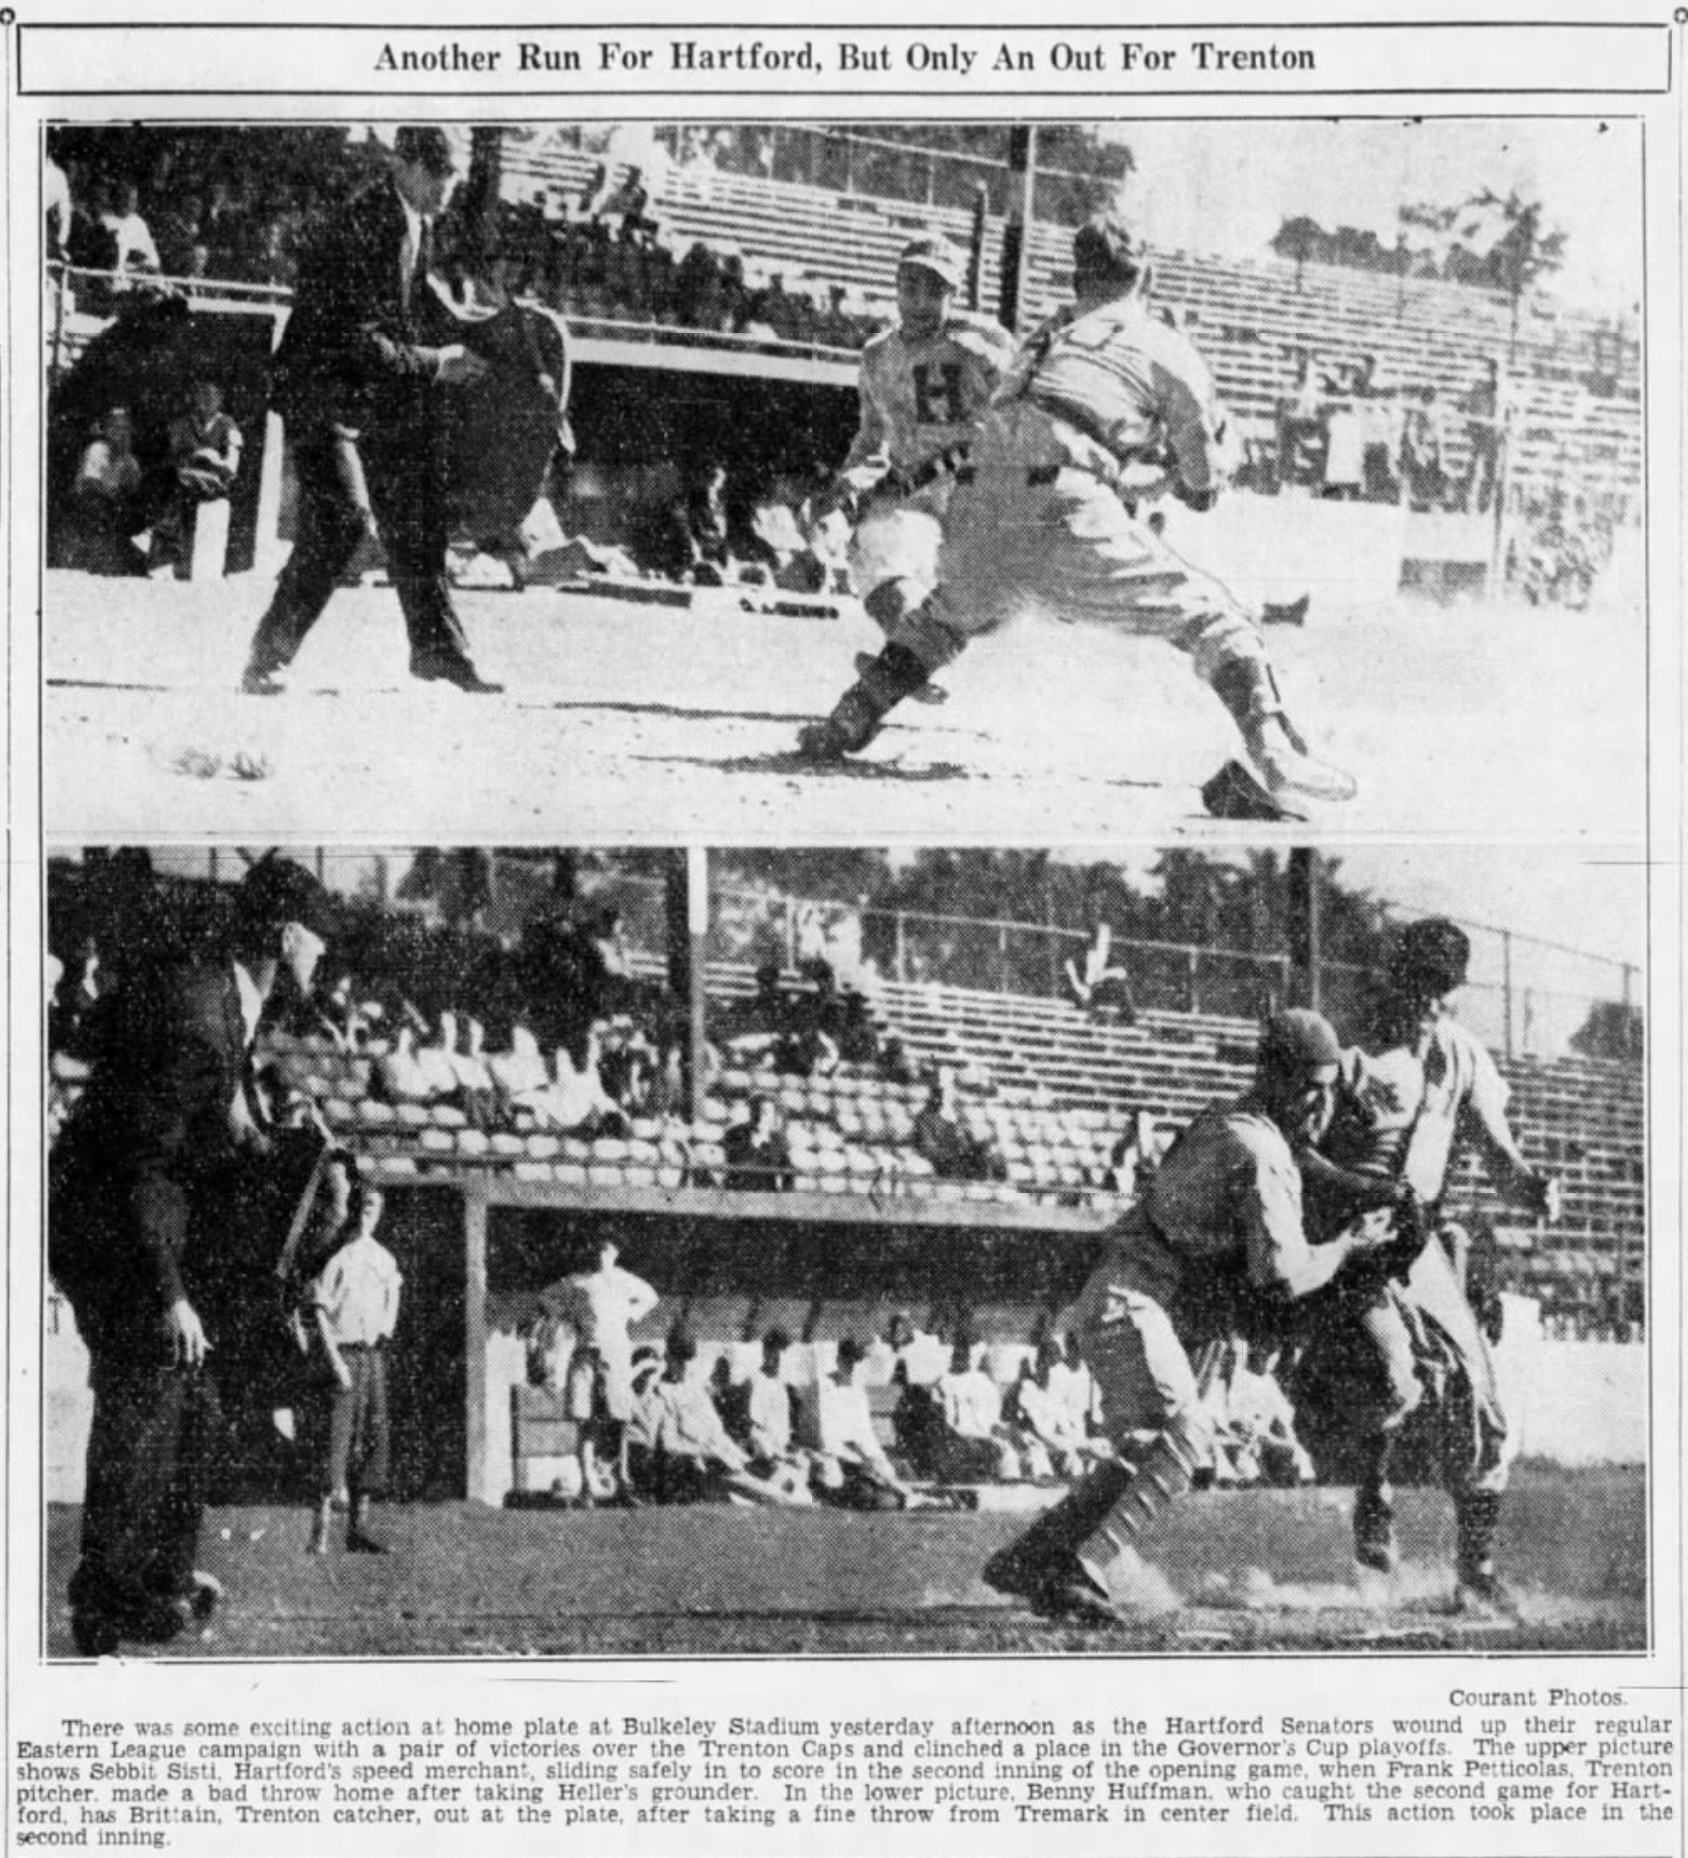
(1022, 184)
(1305, 927)
(686, 896)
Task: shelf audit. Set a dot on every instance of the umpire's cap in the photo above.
(1296, 1041)
(1430, 957)
(276, 891)
(933, 252)
(1105, 247)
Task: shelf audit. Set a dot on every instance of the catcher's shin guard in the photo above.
(1280, 756)
(1162, 1475)
(1479, 1586)
(1476, 1520)
(856, 718)
(1026, 1566)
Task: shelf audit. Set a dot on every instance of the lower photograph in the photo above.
(492, 1253)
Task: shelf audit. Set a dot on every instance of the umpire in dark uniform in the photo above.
(141, 1180)
(359, 377)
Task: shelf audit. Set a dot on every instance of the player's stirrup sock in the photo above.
(1029, 1561)
(1163, 1474)
(1249, 691)
(855, 720)
(1477, 1520)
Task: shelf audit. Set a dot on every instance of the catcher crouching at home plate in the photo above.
(1103, 406)
(1220, 1230)
(144, 1181)
(360, 385)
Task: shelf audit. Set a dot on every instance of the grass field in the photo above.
(629, 723)
(1262, 1571)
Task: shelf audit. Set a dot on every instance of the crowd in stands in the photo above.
(1349, 436)
(556, 1056)
(115, 498)
(609, 243)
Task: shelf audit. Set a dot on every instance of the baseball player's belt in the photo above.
(950, 462)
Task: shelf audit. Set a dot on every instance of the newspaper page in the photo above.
(949, 1117)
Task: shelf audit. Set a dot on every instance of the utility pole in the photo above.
(1016, 233)
(686, 896)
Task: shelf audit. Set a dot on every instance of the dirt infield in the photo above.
(1263, 1571)
(638, 724)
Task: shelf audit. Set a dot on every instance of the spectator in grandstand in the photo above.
(1300, 427)
(519, 1072)
(956, 1153)
(576, 1102)
(601, 1303)
(694, 1456)
(1102, 988)
(1380, 443)
(80, 992)
(205, 448)
(90, 244)
(1134, 1157)
(631, 200)
(1421, 452)
(56, 209)
(178, 234)
(399, 1076)
(1486, 419)
(1343, 477)
(1223, 1223)
(697, 288)
(354, 1305)
(341, 1016)
(758, 1157)
(629, 1066)
(1414, 1084)
(354, 371)
(108, 507)
(463, 1061)
(835, 1426)
(131, 238)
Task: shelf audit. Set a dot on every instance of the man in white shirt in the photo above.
(355, 1309)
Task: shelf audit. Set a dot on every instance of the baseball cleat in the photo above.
(1374, 1531)
(1481, 1591)
(929, 692)
(1234, 793)
(1290, 773)
(852, 725)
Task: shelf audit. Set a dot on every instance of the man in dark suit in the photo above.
(358, 378)
(142, 1178)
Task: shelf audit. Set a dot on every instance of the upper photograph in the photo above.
(802, 482)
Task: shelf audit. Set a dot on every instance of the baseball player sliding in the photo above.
(925, 383)
(1103, 407)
